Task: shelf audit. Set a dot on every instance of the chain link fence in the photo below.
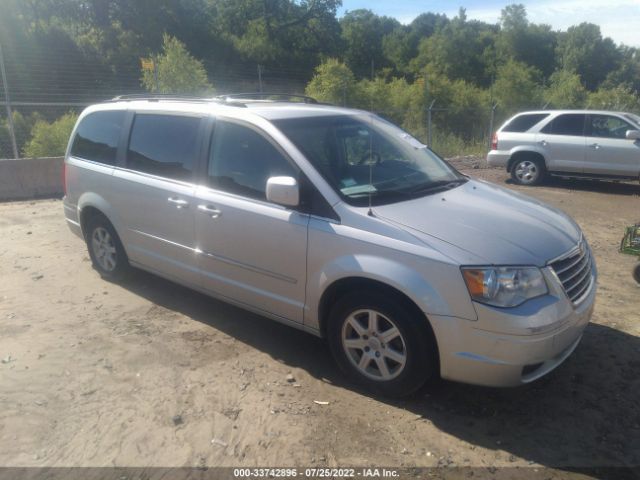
(36, 122)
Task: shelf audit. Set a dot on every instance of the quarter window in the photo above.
(567, 124)
(97, 137)
(241, 161)
(164, 145)
(606, 126)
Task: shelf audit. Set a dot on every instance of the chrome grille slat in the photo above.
(581, 264)
(577, 282)
(578, 294)
(564, 269)
(574, 272)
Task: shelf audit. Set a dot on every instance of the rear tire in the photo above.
(636, 273)
(382, 343)
(105, 248)
(528, 170)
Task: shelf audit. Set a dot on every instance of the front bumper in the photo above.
(539, 337)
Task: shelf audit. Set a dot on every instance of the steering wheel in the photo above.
(375, 156)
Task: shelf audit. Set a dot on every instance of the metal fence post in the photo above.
(491, 121)
(429, 124)
(12, 132)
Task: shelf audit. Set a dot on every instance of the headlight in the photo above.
(504, 286)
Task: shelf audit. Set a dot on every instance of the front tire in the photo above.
(528, 171)
(105, 249)
(636, 273)
(381, 343)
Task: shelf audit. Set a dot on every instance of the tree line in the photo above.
(61, 49)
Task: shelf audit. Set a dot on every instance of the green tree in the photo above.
(362, 35)
(456, 50)
(565, 90)
(583, 50)
(50, 139)
(401, 45)
(525, 42)
(177, 71)
(617, 98)
(334, 83)
(279, 32)
(628, 74)
(517, 87)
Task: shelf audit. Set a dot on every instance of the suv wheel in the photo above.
(380, 344)
(105, 249)
(636, 273)
(528, 171)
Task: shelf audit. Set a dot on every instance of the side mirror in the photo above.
(633, 134)
(283, 191)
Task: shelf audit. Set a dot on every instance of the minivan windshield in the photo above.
(365, 157)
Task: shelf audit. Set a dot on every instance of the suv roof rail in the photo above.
(265, 97)
(159, 96)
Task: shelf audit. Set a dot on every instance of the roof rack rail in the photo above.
(159, 96)
(265, 97)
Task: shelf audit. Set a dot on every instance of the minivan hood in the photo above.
(496, 225)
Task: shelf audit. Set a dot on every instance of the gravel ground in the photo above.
(148, 373)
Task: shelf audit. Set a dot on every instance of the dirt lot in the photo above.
(149, 373)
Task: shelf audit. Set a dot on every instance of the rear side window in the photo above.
(97, 137)
(522, 123)
(242, 161)
(164, 145)
(567, 124)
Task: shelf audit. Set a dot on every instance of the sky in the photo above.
(618, 19)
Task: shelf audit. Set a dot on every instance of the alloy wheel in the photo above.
(527, 172)
(104, 249)
(374, 345)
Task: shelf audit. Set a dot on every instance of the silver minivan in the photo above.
(570, 143)
(336, 222)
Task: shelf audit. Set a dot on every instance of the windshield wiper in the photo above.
(437, 186)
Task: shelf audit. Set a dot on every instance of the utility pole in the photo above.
(12, 132)
(260, 77)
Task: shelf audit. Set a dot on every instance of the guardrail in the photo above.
(28, 178)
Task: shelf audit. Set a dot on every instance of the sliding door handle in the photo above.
(178, 202)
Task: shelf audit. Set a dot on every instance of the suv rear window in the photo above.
(97, 137)
(164, 145)
(522, 123)
(566, 124)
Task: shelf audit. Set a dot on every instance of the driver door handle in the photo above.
(210, 210)
(595, 146)
(544, 143)
(178, 202)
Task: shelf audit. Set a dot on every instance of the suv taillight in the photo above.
(494, 141)
(64, 177)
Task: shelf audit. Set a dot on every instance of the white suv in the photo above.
(570, 143)
(336, 222)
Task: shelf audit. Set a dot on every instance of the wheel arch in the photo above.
(525, 152)
(90, 204)
(345, 285)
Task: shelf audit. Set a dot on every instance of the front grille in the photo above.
(574, 272)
